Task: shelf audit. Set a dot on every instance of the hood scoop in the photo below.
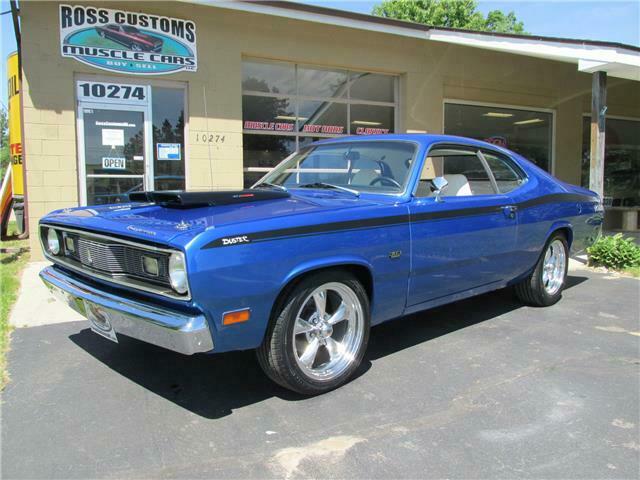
(182, 199)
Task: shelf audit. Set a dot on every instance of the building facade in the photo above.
(120, 97)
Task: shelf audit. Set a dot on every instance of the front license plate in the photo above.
(100, 321)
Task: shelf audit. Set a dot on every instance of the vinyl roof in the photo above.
(617, 59)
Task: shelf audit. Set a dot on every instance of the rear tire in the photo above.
(319, 334)
(543, 287)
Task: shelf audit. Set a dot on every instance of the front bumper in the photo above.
(152, 324)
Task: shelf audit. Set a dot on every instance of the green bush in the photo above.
(614, 252)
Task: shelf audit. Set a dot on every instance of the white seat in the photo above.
(458, 186)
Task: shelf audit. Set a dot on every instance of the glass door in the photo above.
(115, 152)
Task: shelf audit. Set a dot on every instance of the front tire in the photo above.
(320, 334)
(545, 284)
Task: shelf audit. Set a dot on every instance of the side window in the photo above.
(463, 170)
(508, 176)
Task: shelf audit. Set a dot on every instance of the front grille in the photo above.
(114, 258)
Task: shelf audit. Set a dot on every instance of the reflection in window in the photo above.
(313, 82)
(371, 120)
(302, 102)
(507, 175)
(263, 152)
(106, 190)
(621, 162)
(528, 133)
(372, 86)
(168, 138)
(268, 113)
(322, 117)
(268, 77)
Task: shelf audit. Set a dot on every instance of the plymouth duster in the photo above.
(343, 235)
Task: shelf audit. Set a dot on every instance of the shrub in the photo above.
(614, 252)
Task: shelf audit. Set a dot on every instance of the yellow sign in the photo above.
(15, 133)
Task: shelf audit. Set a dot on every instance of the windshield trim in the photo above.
(344, 140)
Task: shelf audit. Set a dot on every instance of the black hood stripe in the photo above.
(331, 227)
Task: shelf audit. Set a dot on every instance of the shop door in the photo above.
(114, 146)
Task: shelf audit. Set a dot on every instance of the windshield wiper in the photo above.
(330, 186)
(271, 185)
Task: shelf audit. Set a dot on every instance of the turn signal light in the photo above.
(239, 316)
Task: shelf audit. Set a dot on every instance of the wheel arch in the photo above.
(561, 227)
(358, 267)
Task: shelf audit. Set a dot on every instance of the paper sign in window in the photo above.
(168, 151)
(112, 137)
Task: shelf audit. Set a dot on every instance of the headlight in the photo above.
(53, 242)
(178, 272)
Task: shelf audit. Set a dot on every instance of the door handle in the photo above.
(510, 211)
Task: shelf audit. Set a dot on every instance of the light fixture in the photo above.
(69, 244)
(291, 118)
(528, 122)
(497, 115)
(364, 122)
(53, 242)
(150, 265)
(178, 272)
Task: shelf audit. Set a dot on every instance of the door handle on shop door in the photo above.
(510, 211)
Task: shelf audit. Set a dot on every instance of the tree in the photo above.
(4, 141)
(450, 13)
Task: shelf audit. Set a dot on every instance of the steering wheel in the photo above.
(388, 181)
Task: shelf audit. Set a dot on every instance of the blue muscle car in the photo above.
(342, 235)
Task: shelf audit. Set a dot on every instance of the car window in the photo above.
(371, 166)
(508, 175)
(463, 170)
(115, 28)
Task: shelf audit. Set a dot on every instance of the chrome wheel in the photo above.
(328, 331)
(554, 267)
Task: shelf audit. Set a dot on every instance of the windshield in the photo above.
(376, 167)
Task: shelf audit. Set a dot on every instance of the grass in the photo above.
(14, 255)
(633, 271)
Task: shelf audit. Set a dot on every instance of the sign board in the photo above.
(168, 151)
(127, 42)
(112, 92)
(114, 163)
(15, 134)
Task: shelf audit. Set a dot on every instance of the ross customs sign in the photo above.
(128, 42)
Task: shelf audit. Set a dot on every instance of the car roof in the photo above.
(423, 139)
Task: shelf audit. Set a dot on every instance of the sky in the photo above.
(608, 20)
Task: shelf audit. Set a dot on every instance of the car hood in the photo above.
(177, 226)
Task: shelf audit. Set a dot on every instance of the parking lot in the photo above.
(483, 388)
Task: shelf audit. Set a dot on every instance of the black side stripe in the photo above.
(332, 227)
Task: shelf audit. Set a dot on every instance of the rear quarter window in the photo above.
(508, 175)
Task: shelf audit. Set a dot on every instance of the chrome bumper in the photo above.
(159, 326)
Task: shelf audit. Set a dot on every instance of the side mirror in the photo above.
(439, 185)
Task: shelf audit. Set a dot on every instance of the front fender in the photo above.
(326, 262)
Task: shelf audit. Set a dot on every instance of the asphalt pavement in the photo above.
(483, 388)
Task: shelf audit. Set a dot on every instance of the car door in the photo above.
(464, 238)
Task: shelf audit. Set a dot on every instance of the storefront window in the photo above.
(265, 152)
(526, 132)
(301, 104)
(621, 161)
(168, 138)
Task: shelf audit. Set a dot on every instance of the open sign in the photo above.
(114, 163)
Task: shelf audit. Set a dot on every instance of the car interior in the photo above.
(462, 169)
